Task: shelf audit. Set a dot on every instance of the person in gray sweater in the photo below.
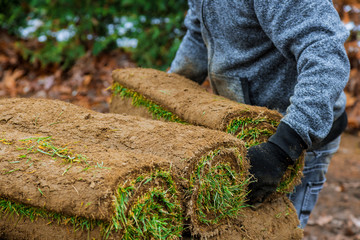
(283, 55)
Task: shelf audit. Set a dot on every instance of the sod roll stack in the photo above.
(155, 94)
(116, 175)
(71, 173)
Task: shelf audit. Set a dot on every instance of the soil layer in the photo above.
(187, 99)
(264, 223)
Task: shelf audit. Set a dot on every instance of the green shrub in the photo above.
(97, 26)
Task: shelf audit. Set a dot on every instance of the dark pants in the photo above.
(306, 194)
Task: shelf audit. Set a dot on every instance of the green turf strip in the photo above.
(250, 134)
(12, 209)
(221, 190)
(157, 111)
(155, 214)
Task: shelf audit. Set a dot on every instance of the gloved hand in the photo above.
(270, 160)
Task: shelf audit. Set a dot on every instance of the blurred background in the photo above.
(67, 49)
(62, 49)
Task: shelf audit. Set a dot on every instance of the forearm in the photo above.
(324, 70)
(311, 34)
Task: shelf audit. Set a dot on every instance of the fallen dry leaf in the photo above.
(10, 80)
(322, 220)
(87, 80)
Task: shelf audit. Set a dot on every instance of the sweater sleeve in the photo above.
(191, 57)
(312, 34)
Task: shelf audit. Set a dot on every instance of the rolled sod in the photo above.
(85, 189)
(113, 175)
(170, 97)
(273, 220)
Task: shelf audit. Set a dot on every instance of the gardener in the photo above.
(284, 55)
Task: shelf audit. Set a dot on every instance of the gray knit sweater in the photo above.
(284, 55)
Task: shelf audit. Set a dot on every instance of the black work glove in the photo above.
(270, 160)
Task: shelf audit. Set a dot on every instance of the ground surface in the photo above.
(337, 213)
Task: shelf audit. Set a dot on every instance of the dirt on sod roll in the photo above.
(264, 223)
(155, 94)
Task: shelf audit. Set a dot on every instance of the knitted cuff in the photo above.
(289, 141)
